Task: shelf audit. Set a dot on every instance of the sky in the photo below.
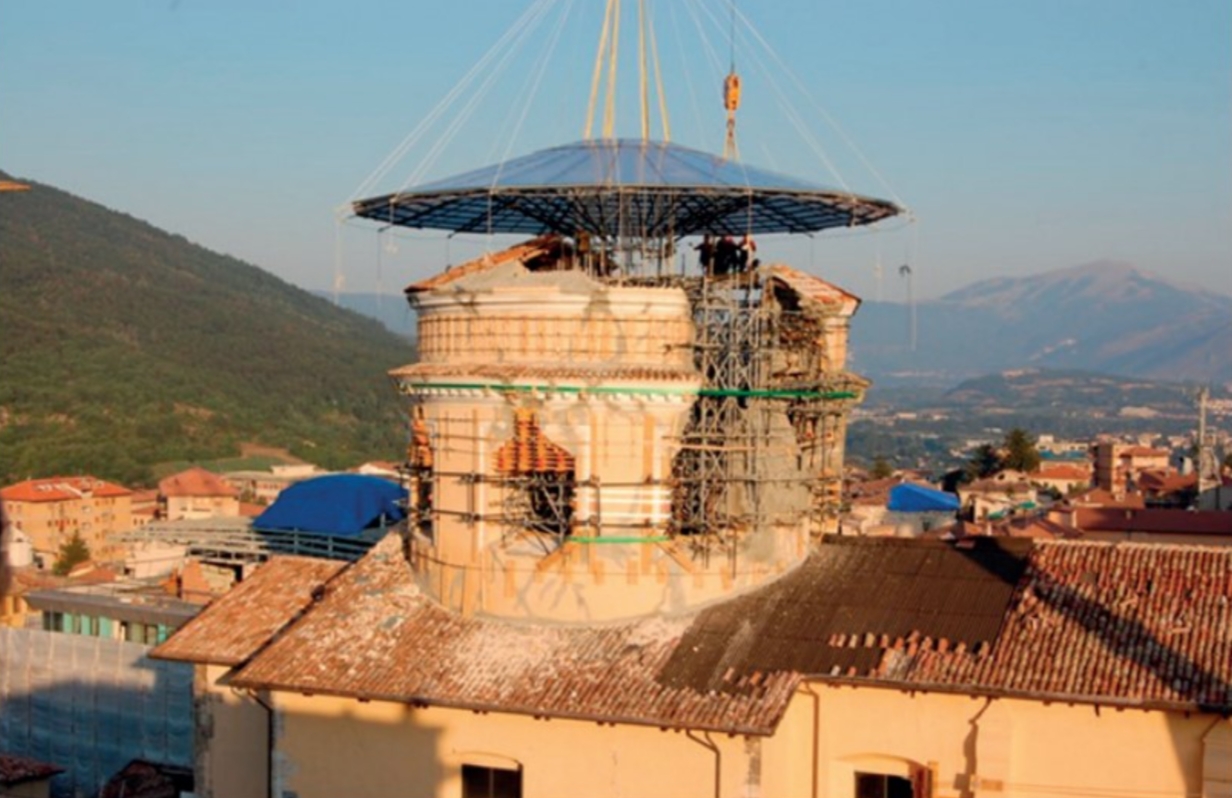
(1024, 135)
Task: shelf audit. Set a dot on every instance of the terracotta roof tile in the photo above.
(234, 627)
(1142, 451)
(1166, 481)
(527, 250)
(1153, 519)
(195, 481)
(812, 289)
(53, 489)
(852, 598)
(1104, 498)
(19, 769)
(374, 636)
(1142, 625)
(1061, 471)
(1138, 624)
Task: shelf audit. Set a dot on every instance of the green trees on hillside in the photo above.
(124, 346)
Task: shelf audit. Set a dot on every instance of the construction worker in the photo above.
(705, 254)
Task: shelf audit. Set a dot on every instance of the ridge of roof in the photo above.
(45, 489)
(234, 627)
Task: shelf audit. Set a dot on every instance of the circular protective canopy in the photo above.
(619, 187)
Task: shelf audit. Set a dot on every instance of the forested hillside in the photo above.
(122, 346)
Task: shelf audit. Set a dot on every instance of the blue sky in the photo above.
(1026, 135)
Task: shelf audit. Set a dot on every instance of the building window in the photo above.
(484, 782)
(880, 785)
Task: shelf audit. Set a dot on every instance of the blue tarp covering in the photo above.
(340, 504)
(918, 499)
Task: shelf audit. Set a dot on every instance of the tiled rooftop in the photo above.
(54, 489)
(1155, 520)
(527, 250)
(235, 627)
(1136, 624)
(1118, 624)
(1055, 470)
(812, 289)
(1103, 498)
(19, 769)
(852, 598)
(195, 481)
(374, 636)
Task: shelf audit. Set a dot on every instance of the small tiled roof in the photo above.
(812, 290)
(235, 627)
(196, 481)
(520, 253)
(1029, 526)
(1105, 498)
(872, 492)
(1142, 451)
(1166, 481)
(985, 486)
(373, 636)
(54, 489)
(1061, 471)
(16, 770)
(1153, 519)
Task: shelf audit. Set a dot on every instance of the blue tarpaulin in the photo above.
(907, 498)
(339, 504)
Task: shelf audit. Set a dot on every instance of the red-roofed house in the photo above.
(1117, 466)
(1167, 488)
(1064, 477)
(197, 493)
(49, 511)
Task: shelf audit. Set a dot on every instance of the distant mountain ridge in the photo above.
(390, 310)
(124, 346)
(1104, 316)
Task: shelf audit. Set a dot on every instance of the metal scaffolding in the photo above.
(761, 448)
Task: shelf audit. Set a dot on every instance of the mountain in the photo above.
(124, 346)
(1104, 316)
(390, 310)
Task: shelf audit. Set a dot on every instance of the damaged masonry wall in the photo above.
(575, 436)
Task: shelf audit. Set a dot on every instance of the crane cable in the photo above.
(654, 54)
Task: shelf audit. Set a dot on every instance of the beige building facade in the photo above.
(50, 511)
(370, 689)
(197, 493)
